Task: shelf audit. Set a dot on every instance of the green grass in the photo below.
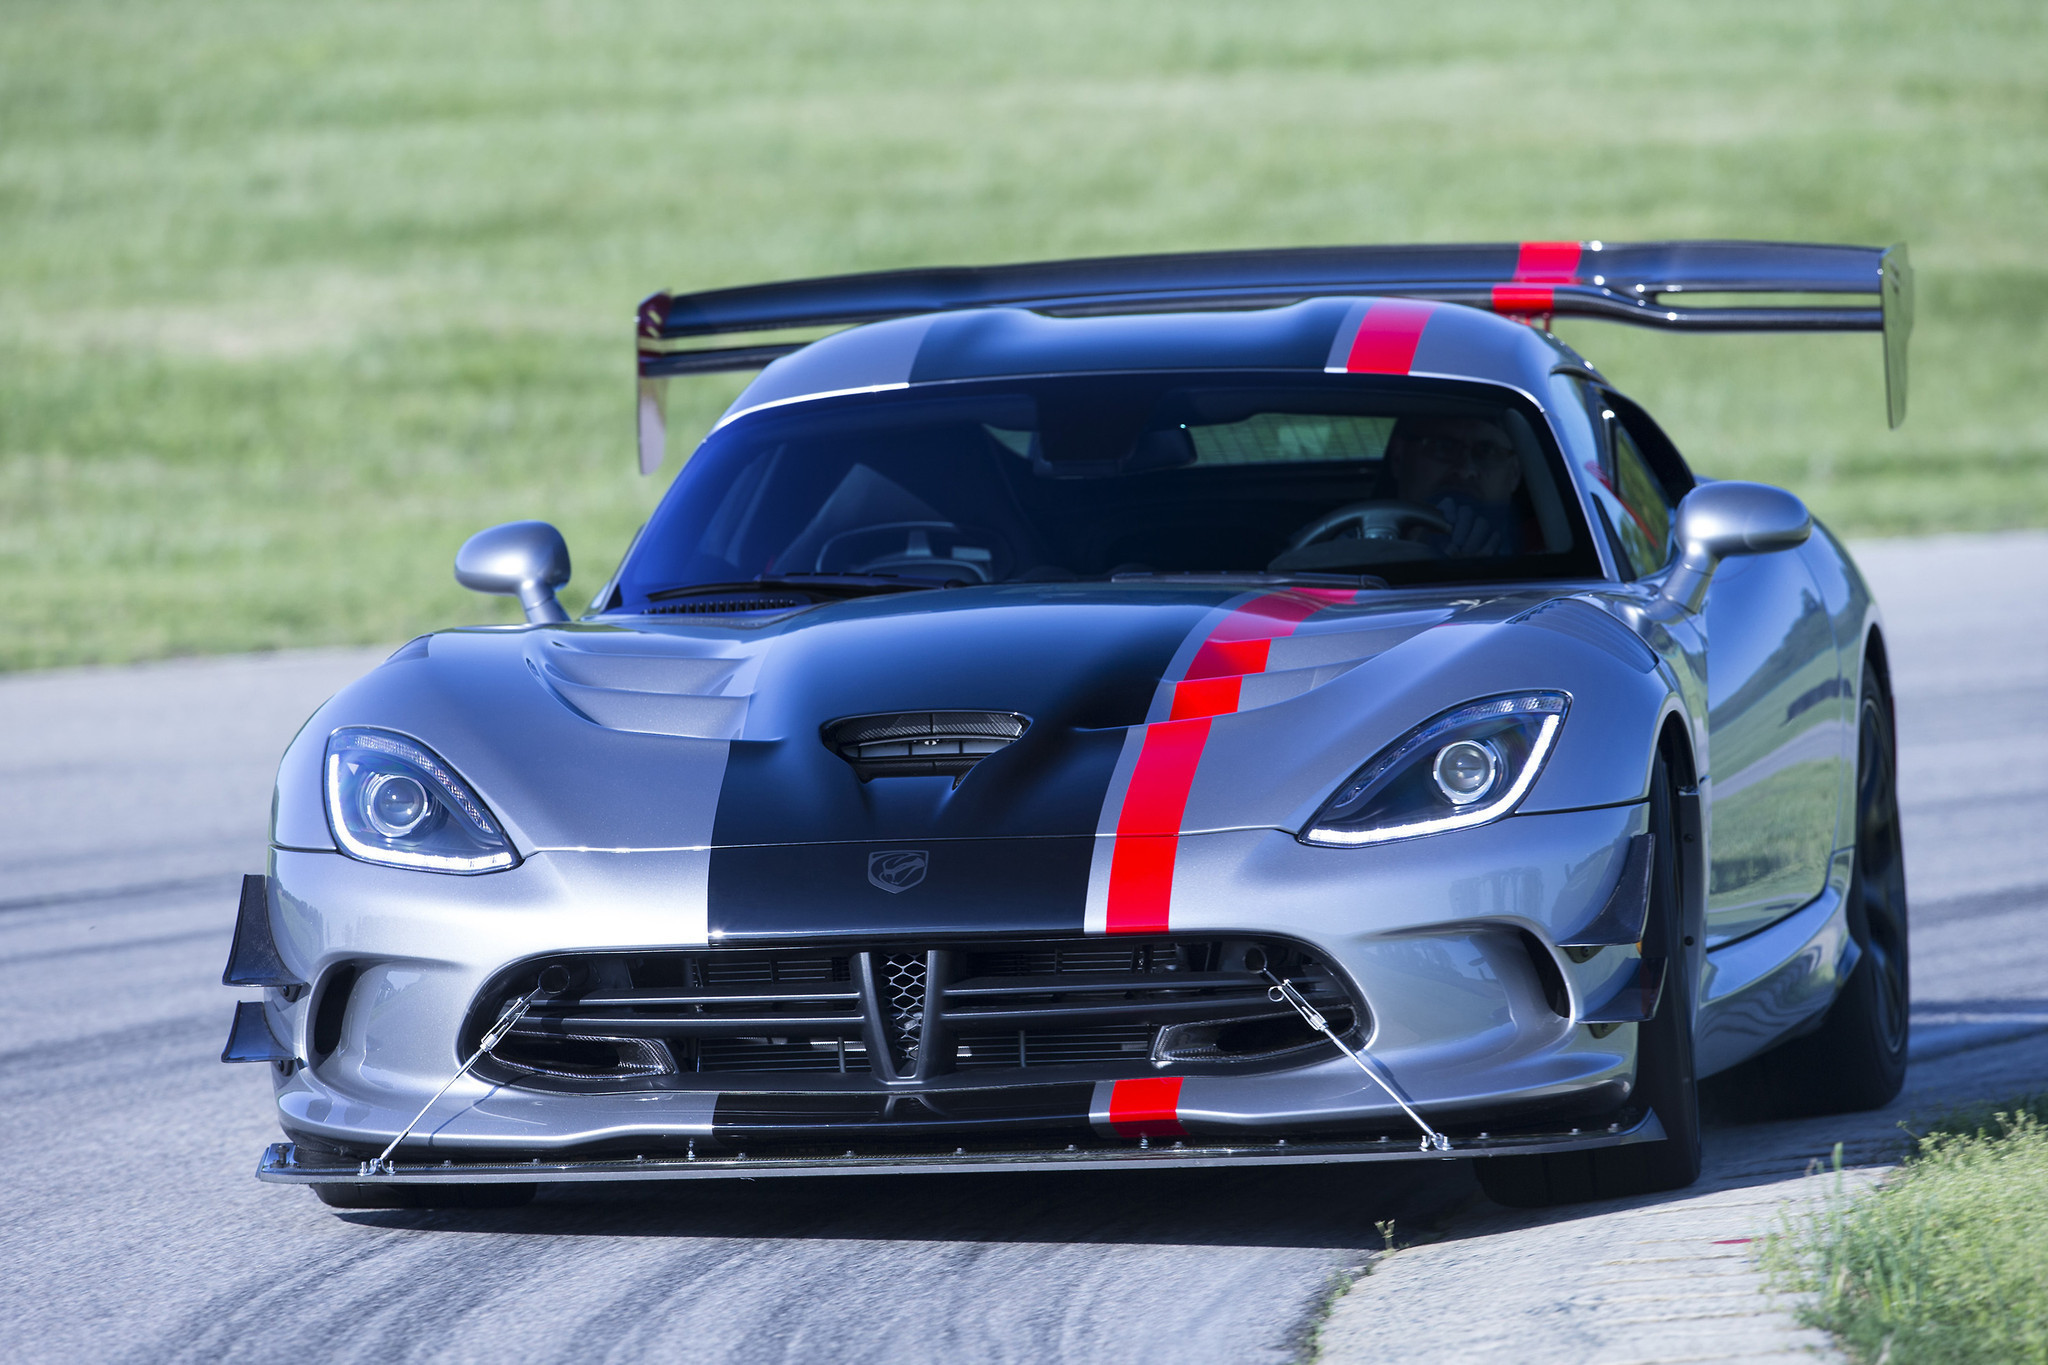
(293, 297)
(1945, 1263)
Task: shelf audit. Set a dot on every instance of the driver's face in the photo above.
(1456, 455)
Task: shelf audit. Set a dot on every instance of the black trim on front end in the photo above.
(868, 1018)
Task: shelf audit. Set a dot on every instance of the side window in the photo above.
(1648, 513)
(1636, 484)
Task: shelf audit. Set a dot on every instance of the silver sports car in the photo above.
(1246, 708)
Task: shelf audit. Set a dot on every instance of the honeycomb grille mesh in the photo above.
(903, 993)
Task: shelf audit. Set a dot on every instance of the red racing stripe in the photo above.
(1238, 646)
(1205, 697)
(1148, 829)
(1146, 1108)
(1140, 896)
(1547, 263)
(1221, 657)
(1523, 298)
(1538, 266)
(1387, 336)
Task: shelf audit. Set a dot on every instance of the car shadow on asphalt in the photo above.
(1303, 1206)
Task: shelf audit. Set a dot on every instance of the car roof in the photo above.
(1358, 335)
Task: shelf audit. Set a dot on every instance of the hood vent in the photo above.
(726, 606)
(922, 743)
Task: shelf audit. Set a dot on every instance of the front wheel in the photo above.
(1664, 1065)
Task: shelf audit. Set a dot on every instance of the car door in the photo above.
(1773, 680)
(1775, 744)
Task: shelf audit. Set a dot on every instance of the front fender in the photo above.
(1620, 694)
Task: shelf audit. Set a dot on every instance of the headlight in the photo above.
(1464, 768)
(395, 802)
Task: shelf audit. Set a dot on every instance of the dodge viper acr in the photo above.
(1274, 707)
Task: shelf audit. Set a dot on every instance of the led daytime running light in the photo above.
(1420, 745)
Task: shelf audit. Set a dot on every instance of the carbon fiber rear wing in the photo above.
(1636, 282)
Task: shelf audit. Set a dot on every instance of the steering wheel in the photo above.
(1378, 519)
(1361, 535)
(913, 555)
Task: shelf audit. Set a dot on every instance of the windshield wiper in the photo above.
(825, 584)
(1278, 580)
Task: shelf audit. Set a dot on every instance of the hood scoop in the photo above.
(654, 693)
(921, 743)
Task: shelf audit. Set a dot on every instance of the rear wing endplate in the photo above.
(1645, 283)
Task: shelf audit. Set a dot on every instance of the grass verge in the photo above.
(1945, 1262)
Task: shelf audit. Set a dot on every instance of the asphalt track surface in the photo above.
(131, 1226)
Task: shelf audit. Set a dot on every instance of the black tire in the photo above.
(374, 1196)
(1857, 1058)
(1664, 1064)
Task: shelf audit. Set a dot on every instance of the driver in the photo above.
(1467, 469)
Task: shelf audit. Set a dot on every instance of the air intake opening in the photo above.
(922, 743)
(332, 1009)
(574, 1054)
(1547, 975)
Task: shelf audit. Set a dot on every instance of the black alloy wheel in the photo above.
(1665, 1080)
(1856, 1059)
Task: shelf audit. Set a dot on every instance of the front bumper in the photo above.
(1444, 939)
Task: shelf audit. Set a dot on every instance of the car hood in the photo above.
(676, 733)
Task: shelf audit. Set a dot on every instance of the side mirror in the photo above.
(523, 559)
(1722, 519)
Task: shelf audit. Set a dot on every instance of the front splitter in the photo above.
(281, 1163)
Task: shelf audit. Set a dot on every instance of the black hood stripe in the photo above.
(1009, 847)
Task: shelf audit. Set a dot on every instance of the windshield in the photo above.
(1093, 477)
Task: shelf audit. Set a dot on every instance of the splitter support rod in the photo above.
(507, 1017)
(1283, 991)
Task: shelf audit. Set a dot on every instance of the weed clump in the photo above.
(1946, 1261)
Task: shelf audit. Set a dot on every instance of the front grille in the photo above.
(810, 1016)
(1087, 955)
(833, 1055)
(1054, 1047)
(744, 969)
